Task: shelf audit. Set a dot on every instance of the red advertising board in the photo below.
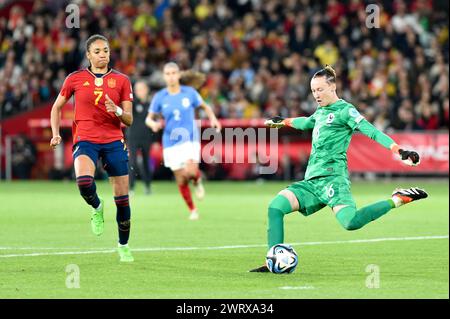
(365, 155)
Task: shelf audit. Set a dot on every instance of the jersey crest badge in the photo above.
(185, 102)
(111, 83)
(330, 118)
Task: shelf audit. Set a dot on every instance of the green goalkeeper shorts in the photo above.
(316, 193)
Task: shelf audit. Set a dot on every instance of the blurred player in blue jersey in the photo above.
(181, 137)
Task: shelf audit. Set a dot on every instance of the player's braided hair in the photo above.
(192, 78)
(94, 38)
(328, 72)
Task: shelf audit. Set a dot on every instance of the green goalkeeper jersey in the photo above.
(333, 126)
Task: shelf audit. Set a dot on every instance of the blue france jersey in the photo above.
(178, 112)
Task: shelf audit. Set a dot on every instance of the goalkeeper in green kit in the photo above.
(326, 181)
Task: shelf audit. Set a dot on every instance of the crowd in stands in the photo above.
(258, 55)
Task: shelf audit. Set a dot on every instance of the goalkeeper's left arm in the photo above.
(410, 158)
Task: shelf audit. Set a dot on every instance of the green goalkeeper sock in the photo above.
(352, 219)
(278, 207)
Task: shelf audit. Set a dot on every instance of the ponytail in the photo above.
(327, 72)
(192, 78)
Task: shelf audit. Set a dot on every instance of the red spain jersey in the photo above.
(92, 122)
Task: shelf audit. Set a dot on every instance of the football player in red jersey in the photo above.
(102, 102)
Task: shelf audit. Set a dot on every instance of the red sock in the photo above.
(186, 193)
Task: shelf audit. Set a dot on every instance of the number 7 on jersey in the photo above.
(99, 95)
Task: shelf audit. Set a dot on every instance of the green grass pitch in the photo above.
(45, 227)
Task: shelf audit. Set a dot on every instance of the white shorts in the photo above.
(175, 157)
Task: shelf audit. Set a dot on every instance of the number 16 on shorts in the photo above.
(329, 190)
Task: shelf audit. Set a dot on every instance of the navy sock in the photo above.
(123, 218)
(88, 190)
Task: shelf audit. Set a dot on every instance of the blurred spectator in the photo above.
(404, 119)
(23, 157)
(145, 18)
(258, 55)
(214, 169)
(445, 114)
(327, 53)
(139, 139)
(428, 117)
(335, 11)
(295, 169)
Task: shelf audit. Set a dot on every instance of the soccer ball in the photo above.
(281, 258)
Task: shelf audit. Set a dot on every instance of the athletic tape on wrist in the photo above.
(119, 111)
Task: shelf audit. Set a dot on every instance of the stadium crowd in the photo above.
(258, 55)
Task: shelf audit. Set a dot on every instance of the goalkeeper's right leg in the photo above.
(278, 207)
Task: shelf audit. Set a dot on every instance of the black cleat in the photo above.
(260, 269)
(407, 195)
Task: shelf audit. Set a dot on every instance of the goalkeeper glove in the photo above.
(410, 158)
(275, 122)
